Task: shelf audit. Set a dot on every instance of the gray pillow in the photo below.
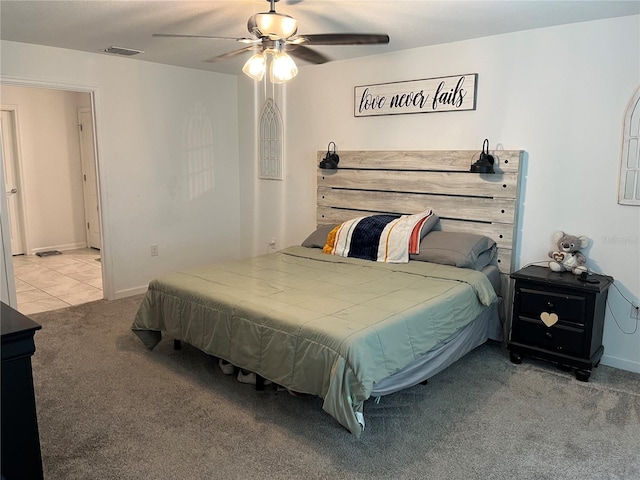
(464, 250)
(318, 239)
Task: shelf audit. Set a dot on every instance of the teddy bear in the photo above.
(568, 256)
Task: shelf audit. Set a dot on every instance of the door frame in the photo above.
(18, 169)
(94, 91)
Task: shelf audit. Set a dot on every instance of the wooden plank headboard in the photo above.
(407, 182)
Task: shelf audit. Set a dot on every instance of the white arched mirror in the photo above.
(629, 187)
(270, 142)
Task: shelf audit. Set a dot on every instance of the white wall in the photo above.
(51, 167)
(269, 207)
(558, 93)
(168, 157)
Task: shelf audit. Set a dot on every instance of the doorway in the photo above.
(56, 214)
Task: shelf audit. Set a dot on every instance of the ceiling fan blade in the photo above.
(175, 35)
(307, 54)
(224, 56)
(344, 39)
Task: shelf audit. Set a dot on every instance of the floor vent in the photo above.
(48, 253)
(127, 52)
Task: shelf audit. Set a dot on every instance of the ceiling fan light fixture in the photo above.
(256, 66)
(273, 25)
(274, 32)
(283, 68)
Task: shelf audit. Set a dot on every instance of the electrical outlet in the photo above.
(635, 311)
(154, 249)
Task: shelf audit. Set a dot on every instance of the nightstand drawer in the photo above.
(559, 338)
(569, 308)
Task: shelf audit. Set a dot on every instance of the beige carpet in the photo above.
(110, 409)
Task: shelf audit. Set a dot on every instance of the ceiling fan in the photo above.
(274, 34)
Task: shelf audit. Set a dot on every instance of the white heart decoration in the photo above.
(549, 319)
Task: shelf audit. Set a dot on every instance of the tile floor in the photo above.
(57, 281)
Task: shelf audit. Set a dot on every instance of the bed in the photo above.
(346, 328)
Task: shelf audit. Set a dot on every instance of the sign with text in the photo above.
(443, 94)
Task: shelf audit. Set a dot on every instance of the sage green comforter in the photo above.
(315, 323)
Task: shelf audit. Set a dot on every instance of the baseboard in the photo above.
(60, 248)
(620, 363)
(130, 292)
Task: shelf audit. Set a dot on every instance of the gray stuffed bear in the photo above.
(568, 256)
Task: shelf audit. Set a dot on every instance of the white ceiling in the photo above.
(93, 25)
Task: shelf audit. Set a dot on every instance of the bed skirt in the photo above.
(486, 326)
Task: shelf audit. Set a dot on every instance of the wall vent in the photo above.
(128, 52)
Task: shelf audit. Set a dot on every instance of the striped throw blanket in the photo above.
(381, 238)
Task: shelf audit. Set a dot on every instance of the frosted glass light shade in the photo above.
(283, 68)
(256, 66)
(274, 25)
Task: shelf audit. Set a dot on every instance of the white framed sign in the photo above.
(430, 95)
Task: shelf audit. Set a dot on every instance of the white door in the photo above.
(12, 181)
(7, 280)
(90, 179)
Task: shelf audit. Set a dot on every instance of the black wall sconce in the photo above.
(331, 159)
(485, 162)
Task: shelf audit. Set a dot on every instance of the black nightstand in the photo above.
(559, 318)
